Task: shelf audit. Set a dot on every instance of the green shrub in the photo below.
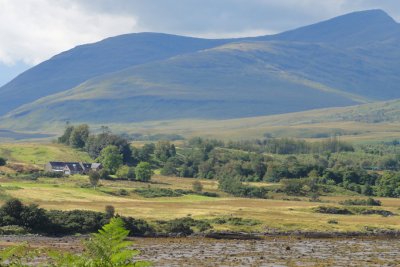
(361, 202)
(367, 211)
(122, 192)
(143, 172)
(138, 227)
(157, 192)
(13, 230)
(52, 174)
(333, 221)
(236, 221)
(197, 186)
(178, 227)
(332, 210)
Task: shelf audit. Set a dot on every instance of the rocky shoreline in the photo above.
(231, 235)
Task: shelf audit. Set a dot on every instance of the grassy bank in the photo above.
(281, 212)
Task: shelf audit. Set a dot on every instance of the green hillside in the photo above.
(232, 81)
(368, 122)
(313, 67)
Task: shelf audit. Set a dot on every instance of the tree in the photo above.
(94, 178)
(164, 150)
(126, 172)
(79, 136)
(111, 158)
(197, 186)
(143, 172)
(143, 153)
(96, 143)
(388, 185)
(64, 139)
(3, 161)
(110, 211)
(292, 186)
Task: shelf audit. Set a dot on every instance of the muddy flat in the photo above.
(266, 252)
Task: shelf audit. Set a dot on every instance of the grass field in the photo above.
(364, 123)
(280, 212)
(67, 194)
(39, 154)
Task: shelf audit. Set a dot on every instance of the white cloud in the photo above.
(34, 30)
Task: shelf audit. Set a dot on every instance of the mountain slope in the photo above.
(350, 30)
(70, 68)
(344, 61)
(234, 80)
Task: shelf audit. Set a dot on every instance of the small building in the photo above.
(71, 168)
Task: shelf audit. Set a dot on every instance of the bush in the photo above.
(137, 227)
(367, 211)
(52, 174)
(3, 161)
(126, 172)
(361, 202)
(104, 174)
(332, 210)
(122, 192)
(236, 221)
(75, 221)
(157, 192)
(17, 217)
(333, 221)
(209, 194)
(13, 230)
(94, 178)
(143, 172)
(234, 186)
(197, 186)
(178, 226)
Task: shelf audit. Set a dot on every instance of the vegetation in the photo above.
(111, 158)
(143, 172)
(126, 172)
(361, 202)
(2, 161)
(108, 247)
(94, 178)
(352, 211)
(55, 222)
(197, 186)
(157, 192)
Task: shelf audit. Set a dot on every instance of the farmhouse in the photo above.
(71, 168)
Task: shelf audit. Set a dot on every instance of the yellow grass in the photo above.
(66, 194)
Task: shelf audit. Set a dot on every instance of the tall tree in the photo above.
(143, 172)
(79, 136)
(111, 158)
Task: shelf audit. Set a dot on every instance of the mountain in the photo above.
(351, 30)
(344, 61)
(9, 72)
(70, 68)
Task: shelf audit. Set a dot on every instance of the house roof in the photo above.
(73, 166)
(96, 165)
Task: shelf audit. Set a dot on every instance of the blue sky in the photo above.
(34, 30)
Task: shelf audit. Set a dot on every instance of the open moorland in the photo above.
(267, 202)
(276, 212)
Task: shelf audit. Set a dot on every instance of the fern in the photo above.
(18, 256)
(107, 248)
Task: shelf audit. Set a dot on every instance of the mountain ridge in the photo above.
(175, 77)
